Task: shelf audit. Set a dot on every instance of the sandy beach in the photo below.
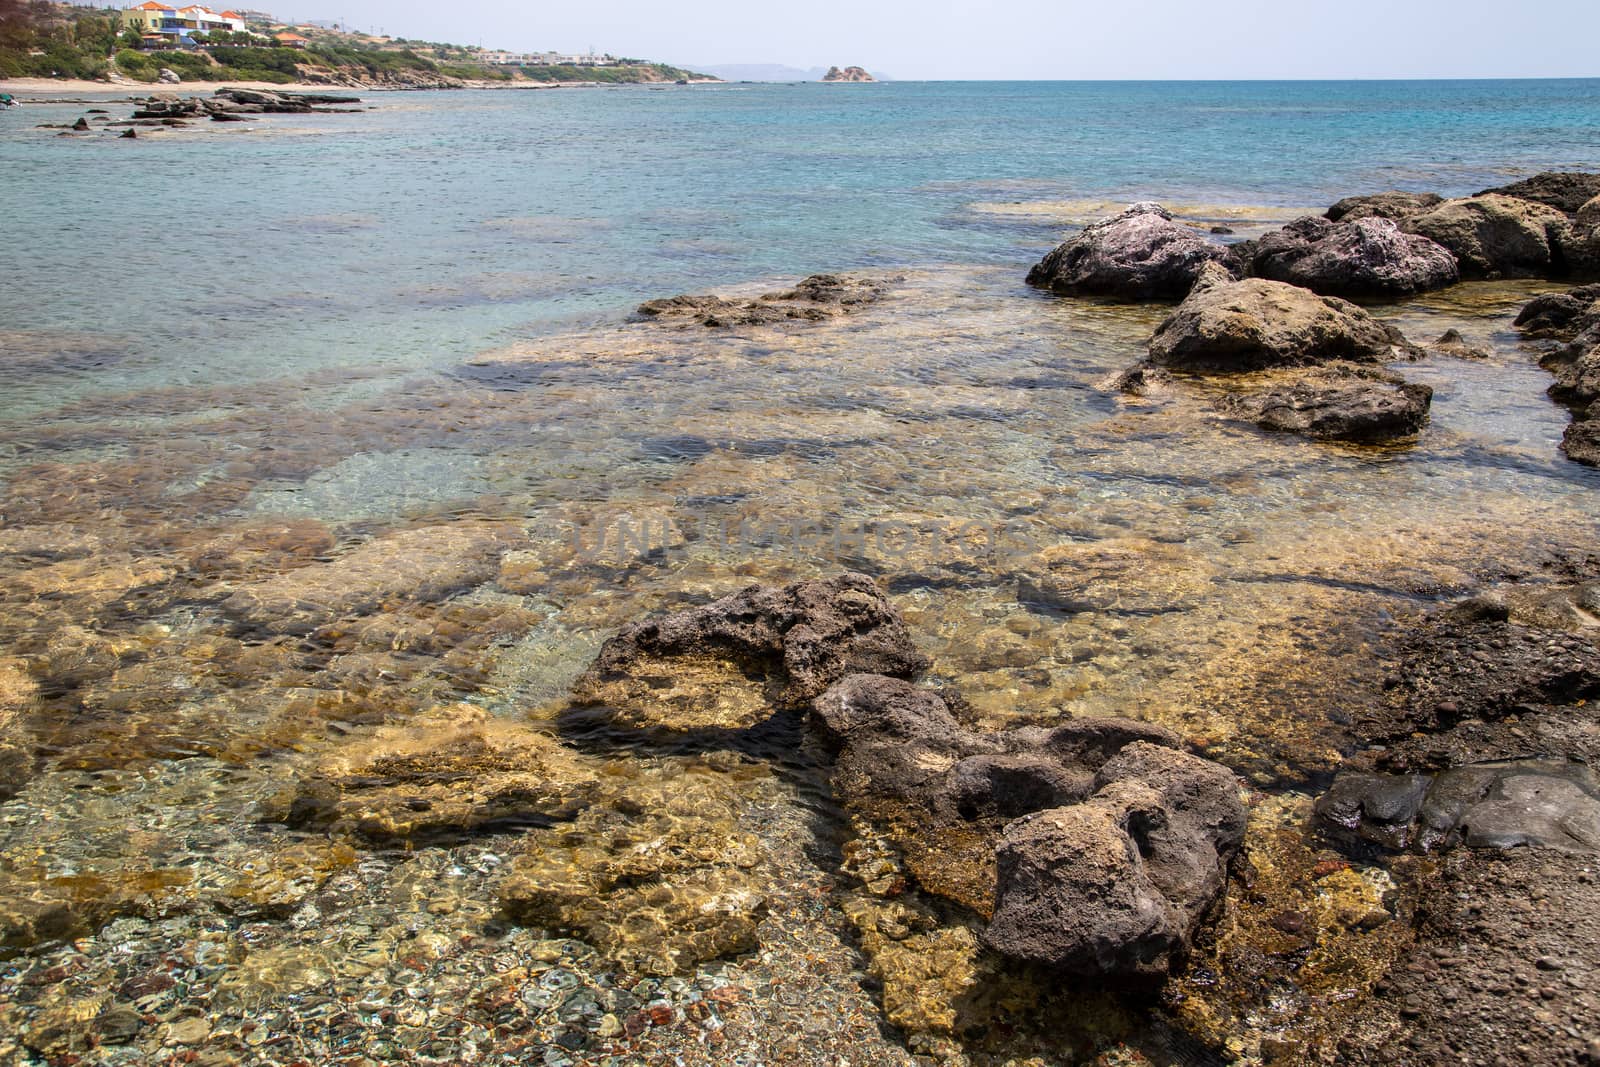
(42, 90)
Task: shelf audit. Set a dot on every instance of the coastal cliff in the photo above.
(848, 74)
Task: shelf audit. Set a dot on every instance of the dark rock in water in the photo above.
(1221, 231)
(1118, 885)
(1390, 205)
(1097, 846)
(1495, 236)
(227, 116)
(1451, 343)
(731, 662)
(1338, 407)
(1539, 803)
(82, 125)
(1581, 441)
(1561, 315)
(816, 299)
(1566, 191)
(1367, 257)
(129, 134)
(1141, 254)
(1227, 326)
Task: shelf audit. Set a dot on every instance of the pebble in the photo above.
(190, 1031)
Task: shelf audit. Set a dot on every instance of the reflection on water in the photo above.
(211, 591)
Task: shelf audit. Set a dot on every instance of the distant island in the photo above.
(848, 74)
(151, 42)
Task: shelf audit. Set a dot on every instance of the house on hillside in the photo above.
(164, 25)
(290, 40)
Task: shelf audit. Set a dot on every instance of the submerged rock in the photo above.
(423, 565)
(1366, 257)
(455, 770)
(659, 879)
(1095, 846)
(1452, 344)
(1338, 406)
(1226, 326)
(1537, 803)
(1141, 254)
(816, 299)
(731, 662)
(1389, 205)
(18, 695)
(1496, 236)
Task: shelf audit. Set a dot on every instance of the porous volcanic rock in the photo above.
(1141, 254)
(729, 663)
(1366, 257)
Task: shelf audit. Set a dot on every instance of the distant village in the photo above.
(164, 27)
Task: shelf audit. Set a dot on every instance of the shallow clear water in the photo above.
(327, 422)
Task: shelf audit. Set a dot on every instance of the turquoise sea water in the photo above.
(439, 224)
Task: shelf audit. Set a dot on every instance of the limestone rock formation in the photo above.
(816, 299)
(1141, 254)
(1566, 191)
(1389, 205)
(1338, 404)
(847, 74)
(1497, 236)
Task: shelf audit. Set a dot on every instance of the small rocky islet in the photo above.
(773, 809)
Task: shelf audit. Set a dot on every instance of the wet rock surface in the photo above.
(1338, 405)
(1368, 257)
(816, 299)
(729, 663)
(1141, 254)
(1572, 319)
(1226, 326)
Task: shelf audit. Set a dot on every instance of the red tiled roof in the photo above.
(150, 5)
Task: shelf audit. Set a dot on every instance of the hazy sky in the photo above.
(1028, 38)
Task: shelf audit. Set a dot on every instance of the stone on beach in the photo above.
(1388, 205)
(1573, 318)
(1226, 326)
(1141, 254)
(1566, 191)
(1366, 257)
(1338, 404)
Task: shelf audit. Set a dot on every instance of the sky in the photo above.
(1026, 39)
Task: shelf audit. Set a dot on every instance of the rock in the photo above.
(979, 818)
(168, 76)
(18, 700)
(660, 879)
(816, 299)
(1366, 257)
(848, 74)
(1588, 216)
(1496, 236)
(1561, 315)
(1226, 326)
(1566, 191)
(1451, 343)
(1581, 441)
(423, 565)
(1117, 885)
(1141, 254)
(731, 662)
(1390, 205)
(129, 134)
(452, 771)
(1338, 407)
(1538, 803)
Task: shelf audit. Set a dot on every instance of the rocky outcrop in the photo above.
(1573, 318)
(816, 299)
(1497, 236)
(1141, 254)
(1389, 205)
(234, 102)
(729, 663)
(1096, 847)
(1538, 803)
(1566, 191)
(1335, 406)
(1226, 326)
(1367, 257)
(847, 74)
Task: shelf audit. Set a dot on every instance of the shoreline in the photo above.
(52, 90)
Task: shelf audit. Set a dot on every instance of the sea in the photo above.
(313, 425)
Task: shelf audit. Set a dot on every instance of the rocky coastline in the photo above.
(767, 812)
